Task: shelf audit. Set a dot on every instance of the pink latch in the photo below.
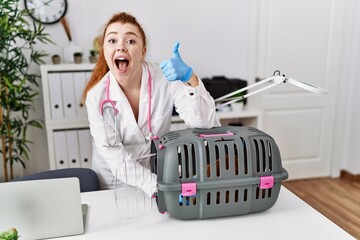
(154, 138)
(188, 189)
(266, 182)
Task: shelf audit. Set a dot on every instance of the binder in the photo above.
(60, 148)
(72, 143)
(87, 76)
(85, 147)
(56, 103)
(79, 85)
(68, 94)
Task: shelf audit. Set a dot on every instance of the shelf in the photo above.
(247, 117)
(66, 124)
(71, 67)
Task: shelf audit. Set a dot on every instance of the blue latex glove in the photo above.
(175, 68)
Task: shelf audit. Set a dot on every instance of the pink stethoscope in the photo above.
(115, 111)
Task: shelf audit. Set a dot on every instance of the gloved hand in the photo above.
(175, 68)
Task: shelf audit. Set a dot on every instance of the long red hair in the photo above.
(101, 68)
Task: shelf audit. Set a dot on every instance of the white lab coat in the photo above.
(194, 105)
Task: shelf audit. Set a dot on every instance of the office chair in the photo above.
(89, 180)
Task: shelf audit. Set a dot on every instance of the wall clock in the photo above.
(46, 11)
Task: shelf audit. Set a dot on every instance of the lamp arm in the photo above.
(244, 89)
(235, 99)
(276, 79)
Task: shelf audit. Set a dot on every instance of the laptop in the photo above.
(41, 209)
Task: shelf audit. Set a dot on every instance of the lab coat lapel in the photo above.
(127, 118)
(144, 103)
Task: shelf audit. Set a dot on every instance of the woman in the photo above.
(129, 101)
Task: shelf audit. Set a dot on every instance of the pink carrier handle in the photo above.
(203, 135)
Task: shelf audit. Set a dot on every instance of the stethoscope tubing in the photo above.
(116, 111)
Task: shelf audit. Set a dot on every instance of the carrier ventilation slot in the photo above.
(193, 158)
(218, 197)
(186, 158)
(179, 161)
(257, 157)
(270, 155)
(261, 193)
(214, 166)
(227, 160)
(207, 153)
(208, 198)
(236, 159)
(186, 161)
(228, 198)
(187, 201)
(261, 154)
(217, 157)
(245, 155)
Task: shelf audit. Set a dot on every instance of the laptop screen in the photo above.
(42, 208)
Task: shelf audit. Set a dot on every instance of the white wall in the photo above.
(212, 35)
(209, 31)
(348, 141)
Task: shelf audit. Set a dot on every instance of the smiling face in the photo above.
(124, 52)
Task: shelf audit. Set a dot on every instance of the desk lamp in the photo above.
(275, 80)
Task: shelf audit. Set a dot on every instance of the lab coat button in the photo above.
(191, 94)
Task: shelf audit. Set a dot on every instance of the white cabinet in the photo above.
(67, 127)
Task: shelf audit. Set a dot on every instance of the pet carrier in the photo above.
(224, 171)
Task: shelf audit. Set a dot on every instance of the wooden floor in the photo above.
(336, 198)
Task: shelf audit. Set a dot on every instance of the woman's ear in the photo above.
(143, 54)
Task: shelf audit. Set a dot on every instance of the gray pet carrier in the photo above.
(207, 173)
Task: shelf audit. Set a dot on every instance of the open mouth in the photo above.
(122, 64)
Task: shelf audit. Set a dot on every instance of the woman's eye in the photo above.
(131, 41)
(111, 40)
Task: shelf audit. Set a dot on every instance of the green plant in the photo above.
(18, 86)
(93, 52)
(10, 234)
(78, 54)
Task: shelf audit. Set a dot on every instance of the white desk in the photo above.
(289, 218)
